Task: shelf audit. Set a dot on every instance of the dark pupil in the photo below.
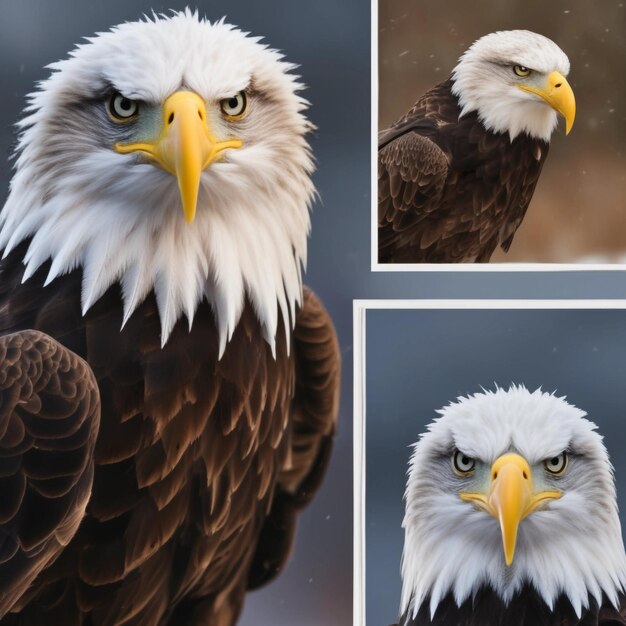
(125, 104)
(554, 461)
(465, 461)
(522, 68)
(233, 102)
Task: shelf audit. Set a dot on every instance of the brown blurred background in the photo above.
(578, 212)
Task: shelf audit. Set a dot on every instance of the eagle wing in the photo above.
(448, 189)
(412, 171)
(49, 418)
(314, 411)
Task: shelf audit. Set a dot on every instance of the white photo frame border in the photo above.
(441, 267)
(360, 309)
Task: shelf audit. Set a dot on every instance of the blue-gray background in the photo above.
(420, 360)
(331, 41)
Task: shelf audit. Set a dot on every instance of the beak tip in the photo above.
(189, 200)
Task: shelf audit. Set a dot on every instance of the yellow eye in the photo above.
(462, 464)
(557, 464)
(122, 109)
(234, 108)
(522, 71)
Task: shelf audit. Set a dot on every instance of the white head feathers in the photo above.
(120, 218)
(573, 546)
(484, 82)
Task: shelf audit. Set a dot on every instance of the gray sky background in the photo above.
(419, 361)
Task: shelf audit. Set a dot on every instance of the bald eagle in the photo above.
(168, 389)
(457, 172)
(511, 517)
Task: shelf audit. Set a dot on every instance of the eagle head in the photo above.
(516, 82)
(511, 488)
(168, 155)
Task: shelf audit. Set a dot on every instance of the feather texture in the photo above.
(449, 190)
(49, 417)
(527, 608)
(120, 218)
(198, 461)
(569, 552)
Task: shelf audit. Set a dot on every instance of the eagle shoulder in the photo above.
(49, 419)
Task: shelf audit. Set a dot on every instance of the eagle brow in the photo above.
(109, 89)
(508, 64)
(449, 451)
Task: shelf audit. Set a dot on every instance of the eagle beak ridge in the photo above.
(185, 147)
(558, 93)
(510, 498)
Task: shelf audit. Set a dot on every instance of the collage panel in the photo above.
(528, 390)
(220, 342)
(473, 108)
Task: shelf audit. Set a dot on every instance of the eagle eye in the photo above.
(522, 71)
(557, 464)
(121, 108)
(234, 107)
(462, 464)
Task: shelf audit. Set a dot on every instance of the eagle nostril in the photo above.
(525, 475)
(557, 85)
(170, 119)
(200, 115)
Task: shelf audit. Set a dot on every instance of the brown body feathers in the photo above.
(449, 191)
(192, 480)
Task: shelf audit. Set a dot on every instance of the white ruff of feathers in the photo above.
(120, 220)
(484, 82)
(572, 547)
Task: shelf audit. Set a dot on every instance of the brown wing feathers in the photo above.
(49, 416)
(412, 172)
(448, 189)
(314, 411)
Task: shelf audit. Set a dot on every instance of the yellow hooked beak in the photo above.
(185, 147)
(510, 498)
(558, 94)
